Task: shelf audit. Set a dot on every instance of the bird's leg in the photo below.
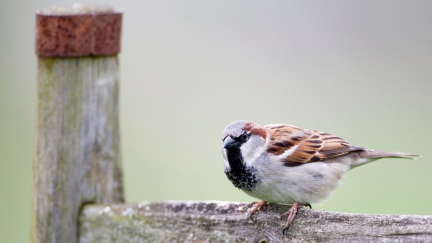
(290, 214)
(258, 205)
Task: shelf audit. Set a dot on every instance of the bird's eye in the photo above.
(244, 137)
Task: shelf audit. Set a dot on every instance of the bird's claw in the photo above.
(259, 205)
(291, 213)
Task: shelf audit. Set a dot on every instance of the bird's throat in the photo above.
(241, 175)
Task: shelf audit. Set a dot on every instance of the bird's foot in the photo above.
(291, 213)
(258, 205)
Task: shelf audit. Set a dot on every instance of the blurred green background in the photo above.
(359, 69)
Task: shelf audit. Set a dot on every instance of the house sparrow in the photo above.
(289, 165)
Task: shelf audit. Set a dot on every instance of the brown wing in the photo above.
(312, 146)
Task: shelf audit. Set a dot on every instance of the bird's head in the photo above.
(245, 139)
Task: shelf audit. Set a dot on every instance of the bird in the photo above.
(284, 164)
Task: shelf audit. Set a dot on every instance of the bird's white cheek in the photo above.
(252, 150)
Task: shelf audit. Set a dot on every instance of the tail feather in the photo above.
(372, 154)
(369, 155)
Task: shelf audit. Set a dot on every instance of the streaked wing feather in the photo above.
(312, 146)
(284, 137)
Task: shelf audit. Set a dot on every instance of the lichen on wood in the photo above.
(229, 222)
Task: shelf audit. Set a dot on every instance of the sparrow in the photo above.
(285, 164)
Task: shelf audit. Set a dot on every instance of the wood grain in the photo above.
(77, 152)
(228, 222)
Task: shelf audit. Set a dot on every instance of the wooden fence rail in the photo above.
(228, 222)
(77, 175)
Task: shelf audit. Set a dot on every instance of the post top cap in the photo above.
(79, 30)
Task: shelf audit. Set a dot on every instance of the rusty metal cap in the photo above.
(81, 30)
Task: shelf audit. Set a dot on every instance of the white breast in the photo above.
(307, 183)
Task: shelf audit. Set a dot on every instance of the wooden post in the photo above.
(77, 152)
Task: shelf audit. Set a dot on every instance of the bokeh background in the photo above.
(359, 69)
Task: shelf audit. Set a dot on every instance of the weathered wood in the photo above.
(228, 222)
(77, 152)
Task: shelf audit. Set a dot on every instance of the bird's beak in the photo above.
(228, 141)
